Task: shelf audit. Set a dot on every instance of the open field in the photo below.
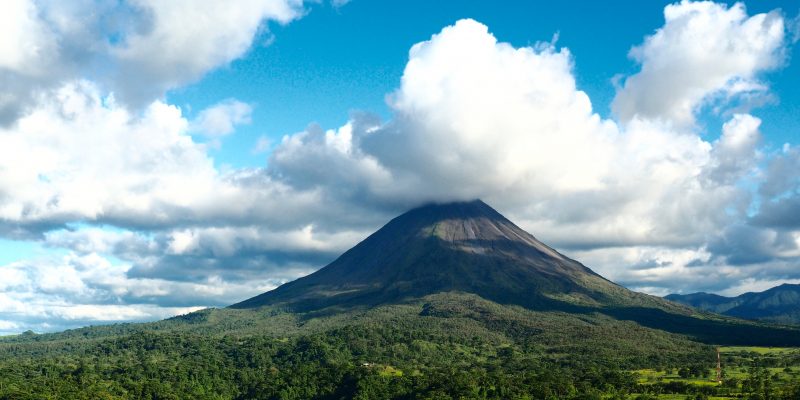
(758, 350)
(748, 372)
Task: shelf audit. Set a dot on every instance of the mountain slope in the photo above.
(466, 247)
(780, 304)
(705, 301)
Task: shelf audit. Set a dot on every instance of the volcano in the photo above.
(469, 248)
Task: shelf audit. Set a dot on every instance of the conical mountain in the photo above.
(465, 247)
(439, 253)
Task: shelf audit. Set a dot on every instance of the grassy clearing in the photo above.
(676, 397)
(650, 376)
(759, 350)
(745, 369)
(663, 396)
(388, 370)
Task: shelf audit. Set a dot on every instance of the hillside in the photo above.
(780, 304)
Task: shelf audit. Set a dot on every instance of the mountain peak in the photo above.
(788, 286)
(459, 246)
(778, 304)
(456, 209)
(474, 227)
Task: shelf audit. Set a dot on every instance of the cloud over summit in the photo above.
(478, 118)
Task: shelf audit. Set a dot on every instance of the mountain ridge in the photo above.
(780, 304)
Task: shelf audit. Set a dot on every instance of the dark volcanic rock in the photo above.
(467, 247)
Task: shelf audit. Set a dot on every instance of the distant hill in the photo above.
(780, 304)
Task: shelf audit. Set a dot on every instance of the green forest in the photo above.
(447, 346)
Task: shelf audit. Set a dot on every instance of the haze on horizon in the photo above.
(157, 157)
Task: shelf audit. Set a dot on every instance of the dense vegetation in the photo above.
(446, 346)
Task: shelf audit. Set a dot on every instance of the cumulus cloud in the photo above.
(772, 232)
(779, 178)
(25, 38)
(81, 157)
(120, 275)
(31, 54)
(704, 52)
(263, 145)
(469, 107)
(736, 151)
(138, 49)
(794, 28)
(222, 118)
(662, 270)
(48, 294)
(187, 38)
(77, 289)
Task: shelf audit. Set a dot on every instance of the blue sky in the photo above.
(174, 156)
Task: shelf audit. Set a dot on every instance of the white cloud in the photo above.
(137, 49)
(263, 144)
(8, 327)
(736, 151)
(221, 119)
(755, 285)
(53, 294)
(228, 241)
(187, 38)
(24, 40)
(664, 270)
(470, 107)
(145, 172)
(80, 156)
(703, 50)
(794, 28)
